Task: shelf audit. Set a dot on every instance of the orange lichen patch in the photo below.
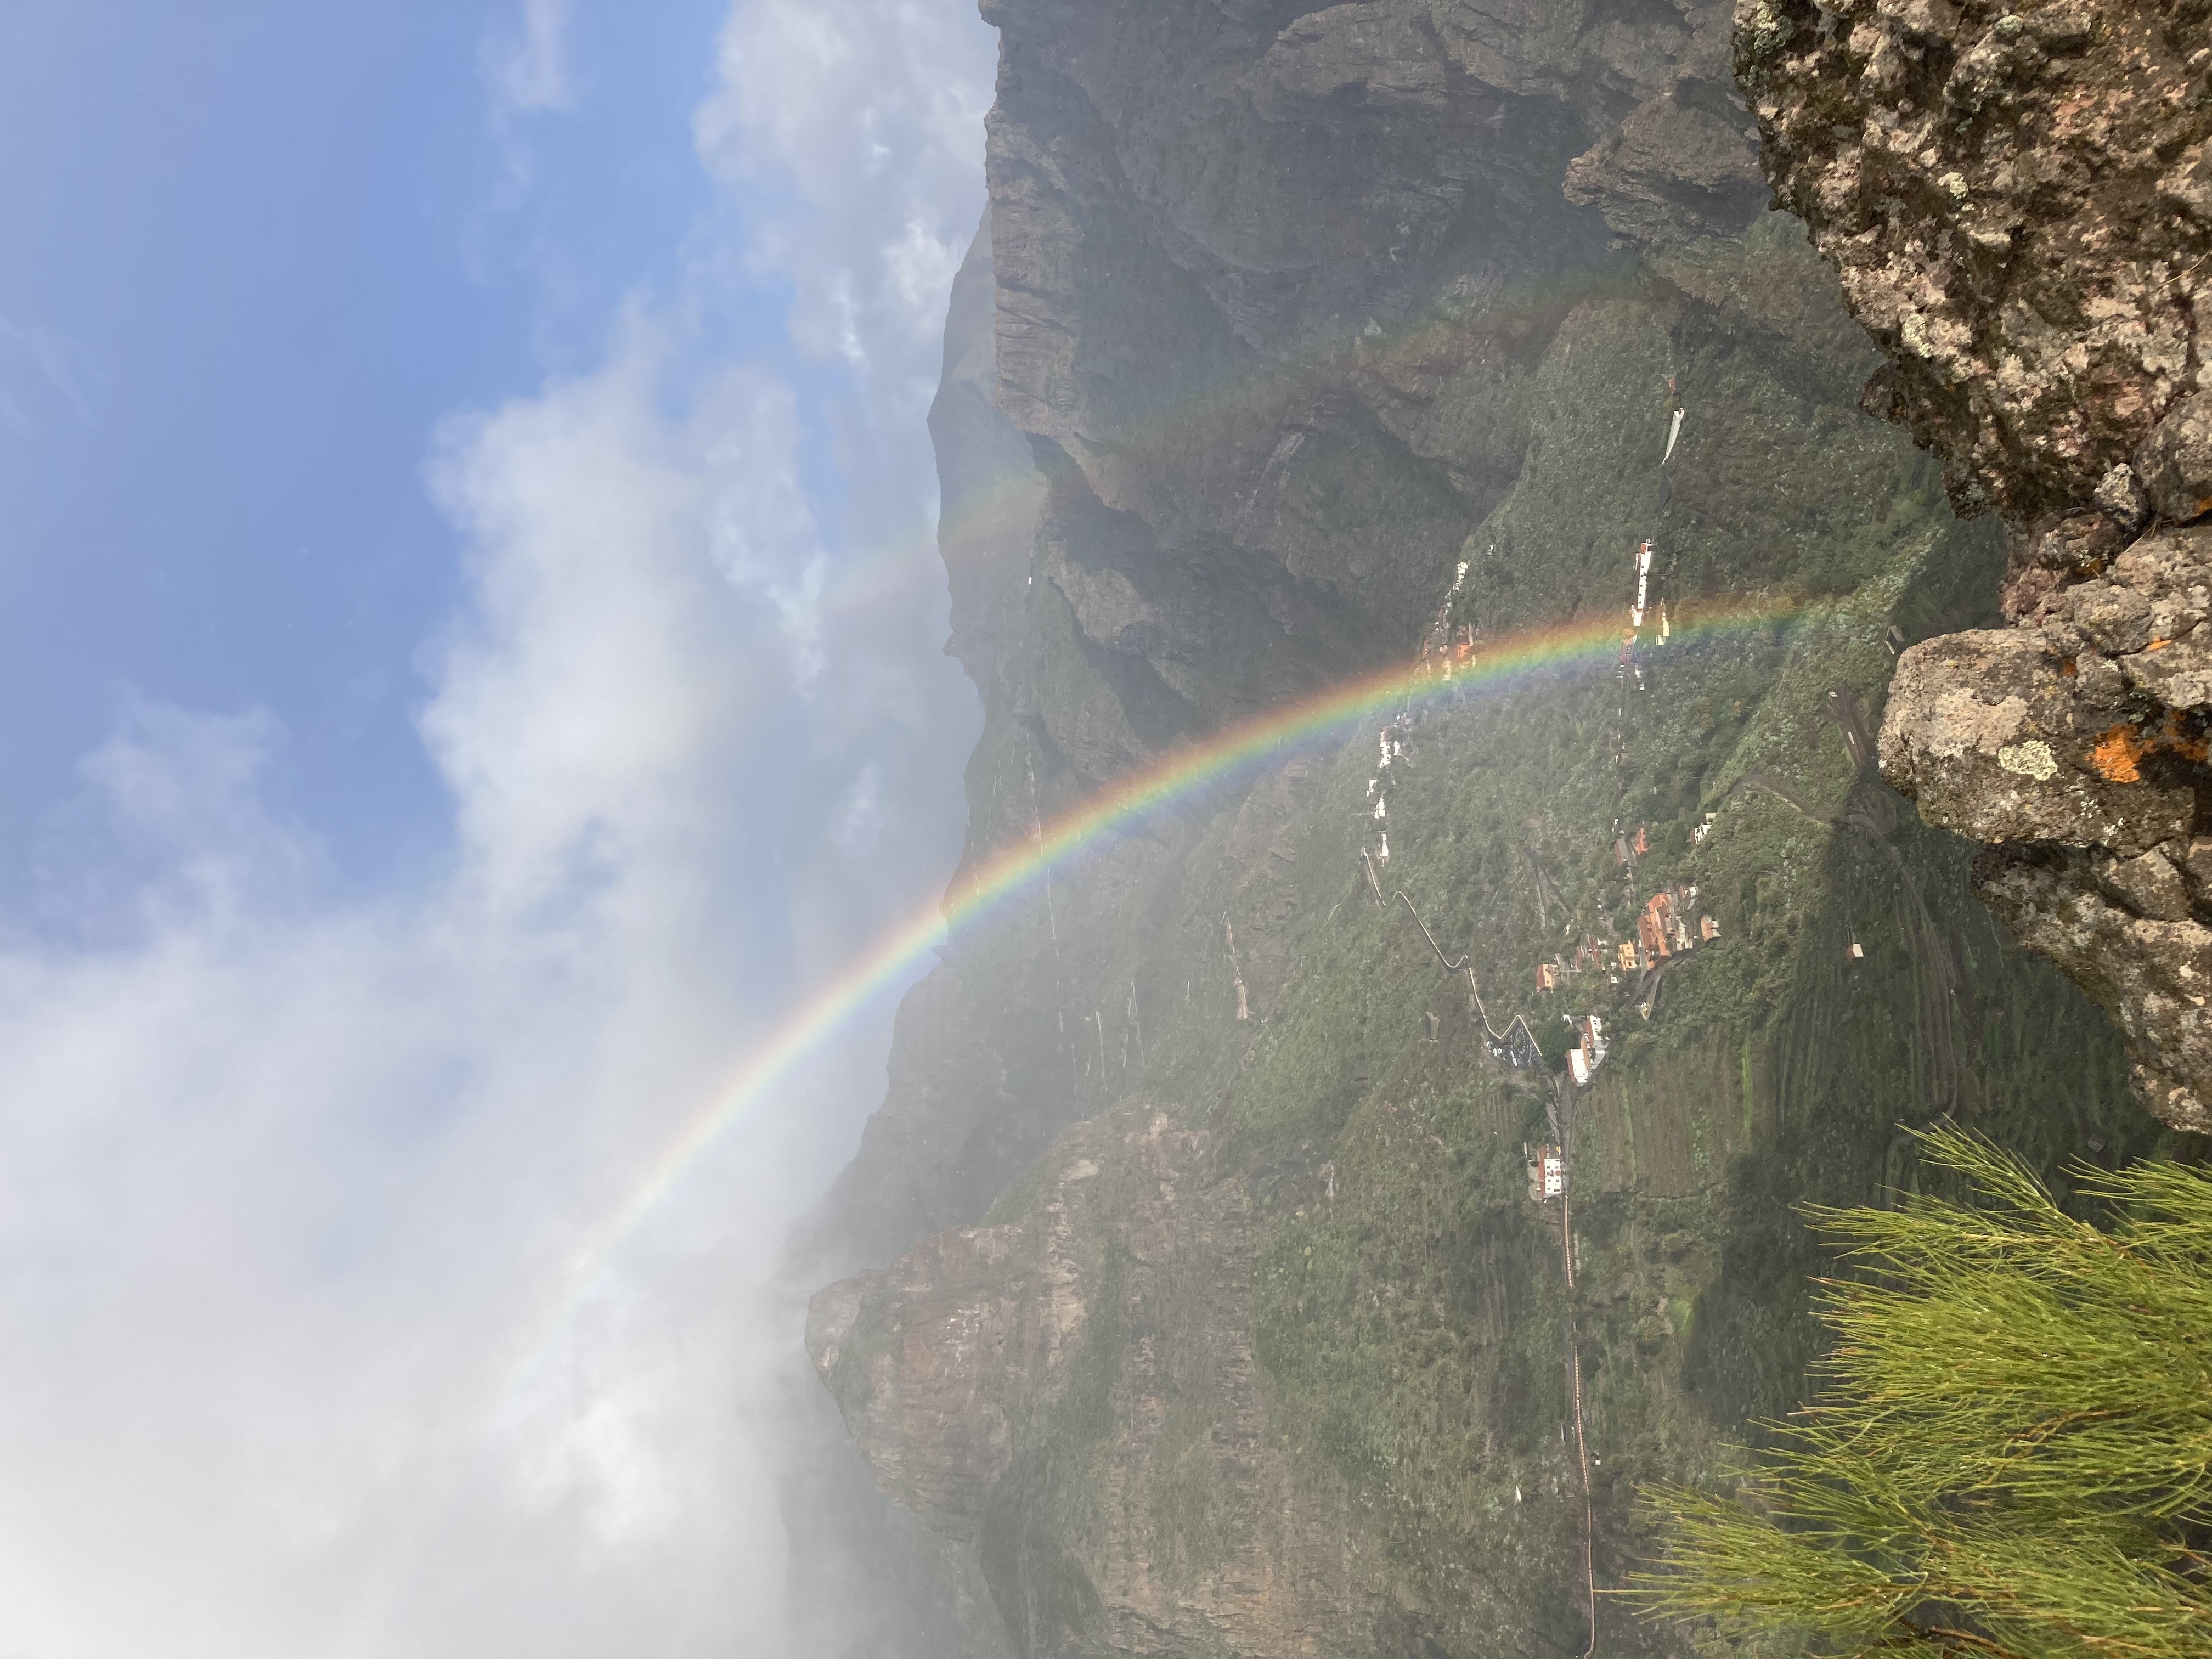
(2118, 754)
(2158, 645)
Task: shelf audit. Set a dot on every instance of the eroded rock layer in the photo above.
(2019, 202)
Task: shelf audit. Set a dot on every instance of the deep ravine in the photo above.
(1187, 1294)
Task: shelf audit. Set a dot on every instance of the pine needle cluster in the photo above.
(2013, 1458)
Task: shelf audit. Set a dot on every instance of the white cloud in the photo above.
(873, 110)
(281, 1178)
(525, 68)
(174, 807)
(568, 499)
(847, 142)
(762, 535)
(287, 1175)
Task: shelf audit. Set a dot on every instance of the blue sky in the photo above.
(471, 651)
(265, 248)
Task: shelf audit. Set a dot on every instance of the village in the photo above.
(1669, 921)
(1669, 924)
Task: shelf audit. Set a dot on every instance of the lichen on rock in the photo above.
(2019, 202)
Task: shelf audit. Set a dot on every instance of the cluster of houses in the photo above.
(1668, 926)
(1392, 740)
(1390, 743)
(1590, 953)
(1462, 652)
(1440, 645)
(1664, 930)
(1664, 926)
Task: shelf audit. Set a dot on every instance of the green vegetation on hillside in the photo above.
(1403, 1300)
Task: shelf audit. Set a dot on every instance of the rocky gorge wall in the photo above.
(1188, 1294)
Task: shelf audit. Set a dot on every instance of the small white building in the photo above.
(1588, 1051)
(1547, 1172)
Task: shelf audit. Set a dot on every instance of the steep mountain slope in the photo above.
(1201, 1305)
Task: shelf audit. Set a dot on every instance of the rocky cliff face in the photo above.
(1119, 1295)
(2019, 205)
(1217, 1318)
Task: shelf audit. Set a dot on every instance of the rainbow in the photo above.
(1579, 646)
(1171, 782)
(909, 565)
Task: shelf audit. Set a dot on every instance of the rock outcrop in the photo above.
(2019, 202)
